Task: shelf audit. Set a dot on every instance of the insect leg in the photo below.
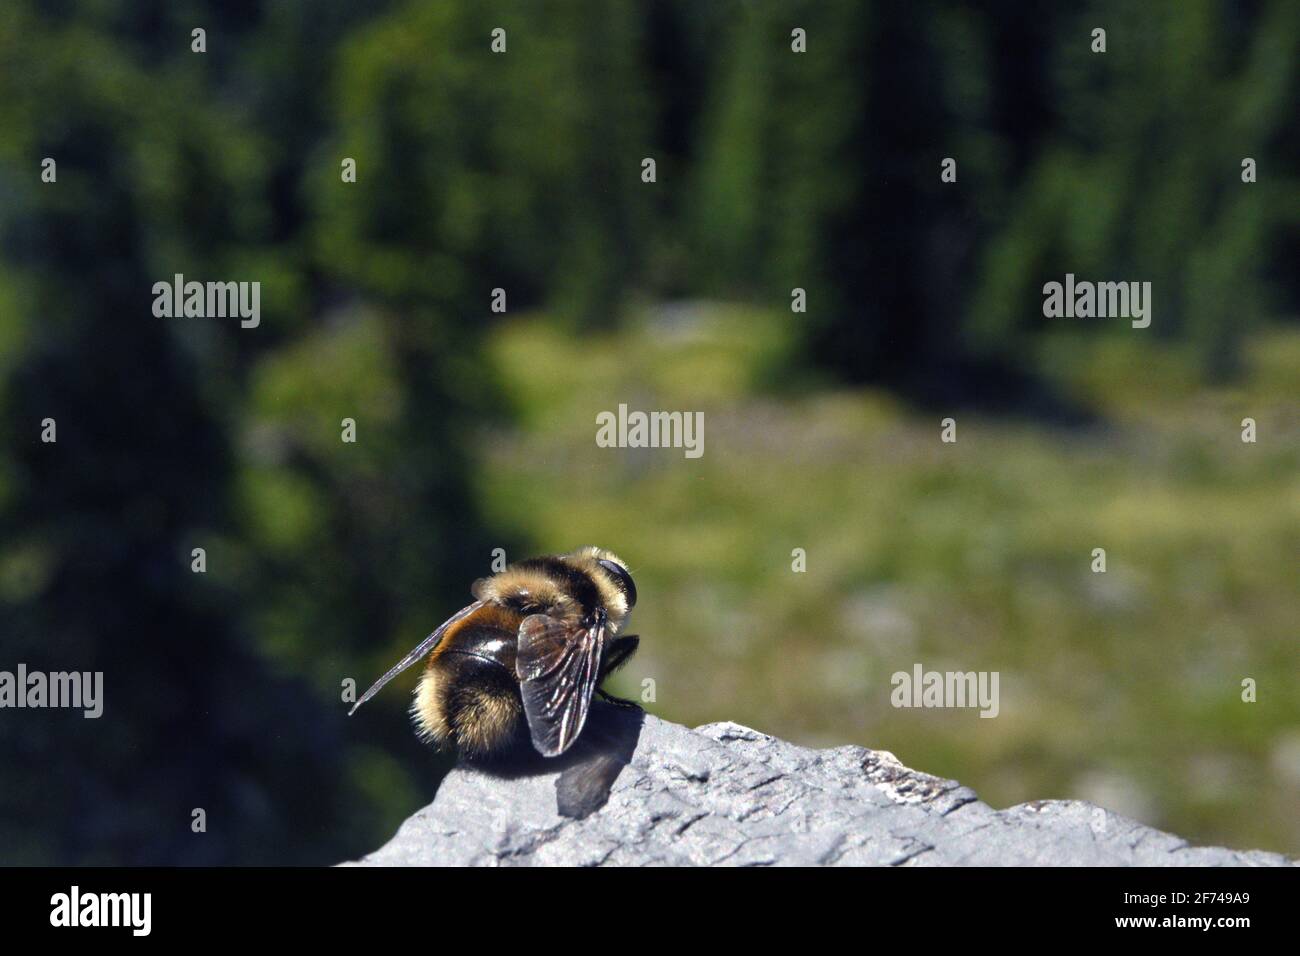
(617, 654)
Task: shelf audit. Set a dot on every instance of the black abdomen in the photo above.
(469, 694)
(490, 643)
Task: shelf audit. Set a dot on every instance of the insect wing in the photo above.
(558, 667)
(419, 651)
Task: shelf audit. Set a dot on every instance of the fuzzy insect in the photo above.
(520, 665)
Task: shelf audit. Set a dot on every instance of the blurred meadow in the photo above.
(522, 171)
(1120, 687)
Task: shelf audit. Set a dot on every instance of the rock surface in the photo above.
(725, 794)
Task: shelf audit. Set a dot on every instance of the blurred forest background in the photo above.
(475, 431)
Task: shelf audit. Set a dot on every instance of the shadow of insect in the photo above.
(588, 769)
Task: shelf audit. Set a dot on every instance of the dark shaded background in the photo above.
(522, 171)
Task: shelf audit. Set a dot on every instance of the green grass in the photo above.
(1122, 687)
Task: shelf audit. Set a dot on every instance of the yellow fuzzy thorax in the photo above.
(551, 595)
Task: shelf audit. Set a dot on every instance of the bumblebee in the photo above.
(520, 665)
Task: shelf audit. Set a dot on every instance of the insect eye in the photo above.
(622, 579)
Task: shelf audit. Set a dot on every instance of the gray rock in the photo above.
(725, 794)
